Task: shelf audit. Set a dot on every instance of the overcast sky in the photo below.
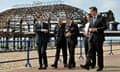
(102, 5)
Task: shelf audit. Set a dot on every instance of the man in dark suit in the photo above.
(60, 43)
(41, 30)
(96, 40)
(71, 34)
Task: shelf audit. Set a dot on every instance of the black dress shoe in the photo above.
(65, 65)
(92, 67)
(99, 69)
(70, 67)
(84, 67)
(40, 68)
(44, 67)
(54, 65)
(74, 65)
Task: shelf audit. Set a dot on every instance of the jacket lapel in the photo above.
(97, 20)
(91, 23)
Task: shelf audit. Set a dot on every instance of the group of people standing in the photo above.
(66, 37)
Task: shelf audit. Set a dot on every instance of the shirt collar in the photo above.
(40, 22)
(70, 24)
(96, 16)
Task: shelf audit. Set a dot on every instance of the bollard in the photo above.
(110, 53)
(27, 51)
(80, 57)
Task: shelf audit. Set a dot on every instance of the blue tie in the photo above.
(94, 19)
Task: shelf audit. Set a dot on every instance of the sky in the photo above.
(102, 5)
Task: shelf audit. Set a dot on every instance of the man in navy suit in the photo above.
(41, 30)
(96, 40)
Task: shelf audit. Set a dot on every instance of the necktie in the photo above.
(41, 25)
(94, 19)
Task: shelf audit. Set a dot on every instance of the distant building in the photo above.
(22, 19)
(17, 23)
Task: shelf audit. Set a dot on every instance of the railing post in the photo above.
(27, 51)
(80, 57)
(111, 53)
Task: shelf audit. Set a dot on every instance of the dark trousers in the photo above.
(42, 46)
(93, 58)
(61, 45)
(95, 45)
(71, 47)
(86, 45)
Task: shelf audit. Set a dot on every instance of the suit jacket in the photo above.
(60, 34)
(60, 31)
(73, 29)
(100, 24)
(41, 36)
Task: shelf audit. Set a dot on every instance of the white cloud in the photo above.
(113, 4)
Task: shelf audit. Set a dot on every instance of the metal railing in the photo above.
(28, 42)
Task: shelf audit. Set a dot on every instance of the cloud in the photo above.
(112, 4)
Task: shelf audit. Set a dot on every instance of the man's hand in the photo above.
(86, 34)
(68, 34)
(92, 29)
(44, 30)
